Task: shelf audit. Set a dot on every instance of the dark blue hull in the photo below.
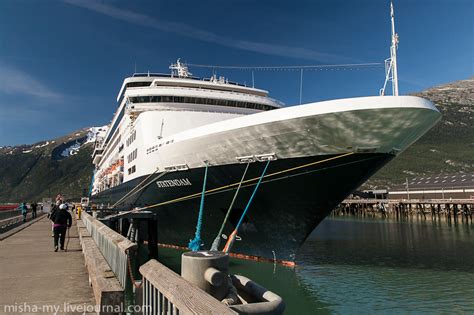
(294, 197)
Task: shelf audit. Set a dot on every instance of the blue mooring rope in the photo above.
(233, 235)
(195, 244)
(251, 197)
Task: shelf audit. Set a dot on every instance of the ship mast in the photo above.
(393, 53)
(391, 72)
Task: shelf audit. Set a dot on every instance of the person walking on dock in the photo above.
(62, 220)
(24, 210)
(54, 209)
(33, 206)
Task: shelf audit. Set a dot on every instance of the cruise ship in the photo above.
(171, 129)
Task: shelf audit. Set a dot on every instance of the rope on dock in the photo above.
(130, 272)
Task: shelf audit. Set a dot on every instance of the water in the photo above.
(354, 265)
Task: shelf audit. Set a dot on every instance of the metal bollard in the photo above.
(208, 270)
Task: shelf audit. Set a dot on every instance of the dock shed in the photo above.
(455, 186)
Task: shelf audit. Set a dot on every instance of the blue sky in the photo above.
(62, 62)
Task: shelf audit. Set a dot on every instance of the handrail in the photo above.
(165, 292)
(114, 247)
(9, 213)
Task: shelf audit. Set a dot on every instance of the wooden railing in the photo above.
(165, 292)
(115, 248)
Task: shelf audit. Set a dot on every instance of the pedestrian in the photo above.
(24, 210)
(33, 206)
(54, 209)
(62, 221)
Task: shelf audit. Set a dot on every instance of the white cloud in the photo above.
(206, 36)
(14, 81)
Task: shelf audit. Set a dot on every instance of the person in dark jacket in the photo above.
(62, 220)
(54, 209)
(33, 206)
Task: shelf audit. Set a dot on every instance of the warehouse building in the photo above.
(458, 186)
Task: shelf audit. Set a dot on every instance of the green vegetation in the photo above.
(31, 176)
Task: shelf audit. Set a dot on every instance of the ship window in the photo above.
(199, 100)
(138, 84)
(132, 170)
(132, 156)
(132, 138)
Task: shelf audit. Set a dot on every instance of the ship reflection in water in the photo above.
(370, 266)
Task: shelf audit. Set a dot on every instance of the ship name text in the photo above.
(174, 182)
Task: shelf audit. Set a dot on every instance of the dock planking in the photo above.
(33, 275)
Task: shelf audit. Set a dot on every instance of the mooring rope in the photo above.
(130, 272)
(134, 191)
(195, 244)
(217, 189)
(231, 239)
(217, 240)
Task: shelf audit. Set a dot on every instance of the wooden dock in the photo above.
(35, 279)
(456, 209)
(99, 274)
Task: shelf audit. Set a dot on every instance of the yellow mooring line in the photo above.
(245, 181)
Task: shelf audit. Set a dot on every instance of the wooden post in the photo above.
(152, 238)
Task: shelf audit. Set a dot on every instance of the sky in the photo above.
(62, 62)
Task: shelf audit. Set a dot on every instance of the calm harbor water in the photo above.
(354, 265)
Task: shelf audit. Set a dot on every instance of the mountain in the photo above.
(448, 148)
(44, 169)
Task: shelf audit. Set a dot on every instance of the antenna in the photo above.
(301, 85)
(179, 69)
(391, 69)
(393, 53)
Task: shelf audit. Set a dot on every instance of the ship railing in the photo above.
(165, 292)
(115, 248)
